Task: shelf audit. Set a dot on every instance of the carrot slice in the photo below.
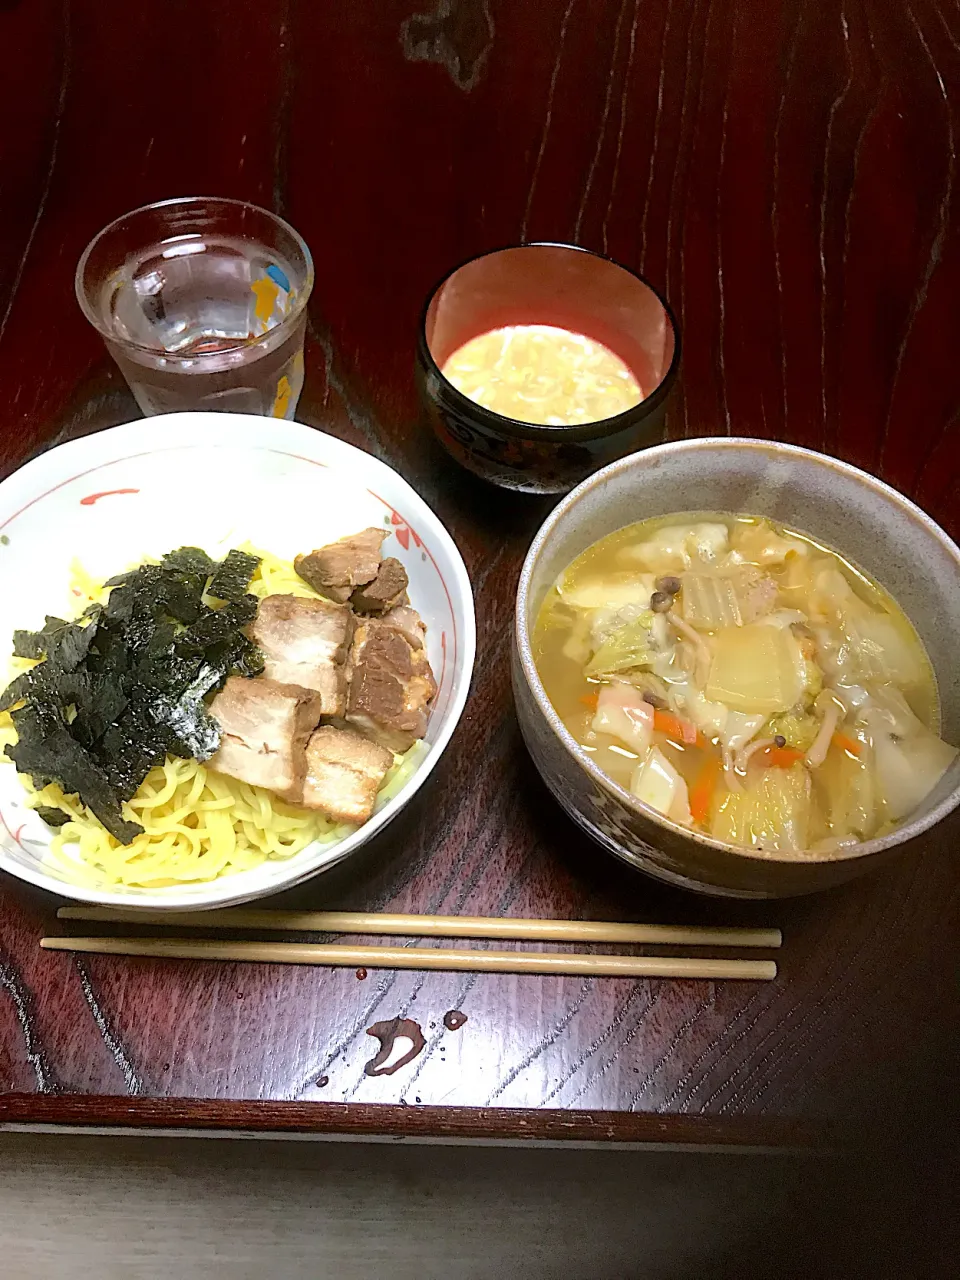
(702, 791)
(846, 743)
(590, 700)
(676, 728)
(782, 757)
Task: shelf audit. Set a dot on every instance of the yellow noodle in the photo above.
(276, 577)
(85, 589)
(197, 824)
(227, 832)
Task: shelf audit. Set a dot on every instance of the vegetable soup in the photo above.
(744, 681)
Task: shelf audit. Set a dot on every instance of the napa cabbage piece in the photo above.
(812, 680)
(632, 645)
(676, 547)
(761, 544)
(603, 623)
(771, 813)
(800, 731)
(672, 659)
(833, 844)
(657, 783)
(623, 713)
(731, 597)
(709, 601)
(756, 669)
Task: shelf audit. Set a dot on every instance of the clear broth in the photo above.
(573, 693)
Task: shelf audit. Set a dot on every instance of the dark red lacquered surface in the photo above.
(786, 174)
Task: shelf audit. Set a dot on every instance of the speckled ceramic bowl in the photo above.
(868, 522)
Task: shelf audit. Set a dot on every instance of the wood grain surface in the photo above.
(786, 172)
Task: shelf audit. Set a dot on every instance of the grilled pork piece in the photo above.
(409, 623)
(305, 642)
(264, 730)
(391, 683)
(336, 570)
(344, 773)
(386, 591)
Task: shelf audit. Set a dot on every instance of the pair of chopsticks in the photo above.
(436, 958)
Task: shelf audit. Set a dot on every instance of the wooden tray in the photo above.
(789, 186)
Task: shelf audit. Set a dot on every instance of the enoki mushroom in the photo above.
(703, 654)
(828, 727)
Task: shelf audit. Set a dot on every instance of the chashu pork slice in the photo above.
(408, 622)
(264, 727)
(306, 642)
(338, 569)
(388, 590)
(391, 683)
(344, 773)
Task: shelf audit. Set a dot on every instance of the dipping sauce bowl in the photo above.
(561, 287)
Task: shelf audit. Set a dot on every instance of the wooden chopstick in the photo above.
(448, 959)
(416, 926)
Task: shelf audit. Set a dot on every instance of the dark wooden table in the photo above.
(786, 172)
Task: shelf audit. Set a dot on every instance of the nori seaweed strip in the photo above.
(168, 671)
(232, 577)
(30, 644)
(183, 597)
(48, 753)
(145, 605)
(216, 625)
(64, 644)
(191, 732)
(110, 699)
(71, 690)
(72, 646)
(237, 654)
(105, 702)
(110, 656)
(249, 661)
(119, 606)
(17, 690)
(148, 665)
(189, 560)
(52, 817)
(37, 644)
(129, 749)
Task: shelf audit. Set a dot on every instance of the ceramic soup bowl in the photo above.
(870, 524)
(214, 480)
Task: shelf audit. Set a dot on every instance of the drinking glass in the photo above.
(202, 303)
